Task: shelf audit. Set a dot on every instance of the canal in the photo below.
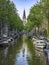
(22, 52)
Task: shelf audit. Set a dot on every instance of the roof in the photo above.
(24, 14)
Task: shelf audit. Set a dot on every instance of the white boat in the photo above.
(39, 44)
(9, 40)
(5, 41)
(33, 39)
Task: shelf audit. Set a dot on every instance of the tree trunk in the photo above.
(48, 30)
(38, 29)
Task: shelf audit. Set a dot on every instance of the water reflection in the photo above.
(10, 53)
(22, 52)
(47, 57)
(32, 58)
(42, 57)
(21, 59)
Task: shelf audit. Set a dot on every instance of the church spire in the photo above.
(24, 17)
(24, 14)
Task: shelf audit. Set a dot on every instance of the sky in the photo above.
(24, 4)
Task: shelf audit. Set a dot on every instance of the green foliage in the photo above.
(45, 8)
(36, 15)
(8, 13)
(29, 25)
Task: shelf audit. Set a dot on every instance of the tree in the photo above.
(45, 8)
(9, 16)
(36, 15)
(29, 26)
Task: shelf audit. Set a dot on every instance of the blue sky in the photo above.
(24, 4)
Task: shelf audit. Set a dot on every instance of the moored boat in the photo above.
(39, 44)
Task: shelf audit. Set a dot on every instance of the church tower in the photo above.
(24, 18)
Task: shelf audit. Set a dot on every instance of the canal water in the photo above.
(22, 52)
